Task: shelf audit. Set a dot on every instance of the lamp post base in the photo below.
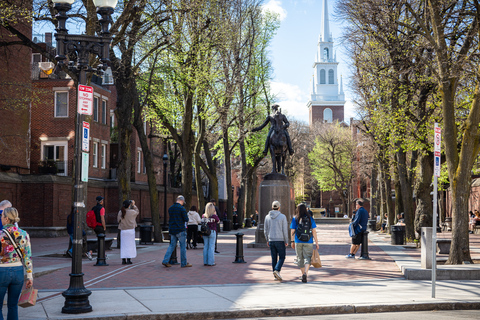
(76, 296)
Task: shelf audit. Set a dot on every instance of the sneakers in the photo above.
(277, 275)
(350, 256)
(168, 265)
(304, 278)
(89, 255)
(188, 265)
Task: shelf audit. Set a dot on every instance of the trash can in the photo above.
(248, 223)
(227, 225)
(398, 235)
(372, 225)
(146, 234)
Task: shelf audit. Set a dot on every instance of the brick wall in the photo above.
(316, 113)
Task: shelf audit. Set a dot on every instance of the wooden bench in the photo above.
(92, 244)
(476, 229)
(443, 246)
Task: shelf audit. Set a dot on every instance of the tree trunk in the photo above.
(424, 213)
(406, 188)
(373, 193)
(228, 170)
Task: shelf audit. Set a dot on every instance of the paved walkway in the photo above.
(148, 290)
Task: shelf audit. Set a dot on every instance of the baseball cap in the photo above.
(100, 198)
(275, 204)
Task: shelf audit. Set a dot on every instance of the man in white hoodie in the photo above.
(276, 234)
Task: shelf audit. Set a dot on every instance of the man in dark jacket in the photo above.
(359, 224)
(177, 217)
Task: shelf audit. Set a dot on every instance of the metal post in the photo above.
(364, 252)
(239, 251)
(165, 163)
(101, 250)
(434, 236)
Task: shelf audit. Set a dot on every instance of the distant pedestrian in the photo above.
(176, 228)
(192, 227)
(303, 229)
(15, 254)
(276, 234)
(210, 216)
(3, 205)
(217, 212)
(126, 223)
(303, 233)
(101, 227)
(359, 225)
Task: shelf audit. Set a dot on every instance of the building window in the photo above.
(36, 58)
(55, 154)
(61, 104)
(325, 54)
(331, 76)
(104, 111)
(327, 115)
(95, 109)
(112, 120)
(103, 156)
(322, 76)
(95, 155)
(139, 162)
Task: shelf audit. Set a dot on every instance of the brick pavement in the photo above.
(148, 271)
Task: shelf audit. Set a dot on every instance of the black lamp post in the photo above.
(80, 47)
(165, 164)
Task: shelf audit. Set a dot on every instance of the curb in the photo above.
(298, 311)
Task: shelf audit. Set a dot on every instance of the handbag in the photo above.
(316, 262)
(28, 298)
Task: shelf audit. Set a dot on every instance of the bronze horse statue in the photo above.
(278, 146)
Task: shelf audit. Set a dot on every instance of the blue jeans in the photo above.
(209, 248)
(11, 278)
(278, 251)
(182, 239)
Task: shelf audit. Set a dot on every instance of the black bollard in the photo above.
(118, 239)
(239, 253)
(101, 250)
(173, 257)
(364, 253)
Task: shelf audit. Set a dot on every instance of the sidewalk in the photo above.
(147, 290)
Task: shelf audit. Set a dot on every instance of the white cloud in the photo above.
(275, 6)
(292, 100)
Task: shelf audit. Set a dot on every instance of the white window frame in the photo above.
(139, 161)
(331, 76)
(95, 155)
(55, 143)
(112, 120)
(328, 115)
(55, 103)
(103, 156)
(323, 77)
(104, 111)
(95, 112)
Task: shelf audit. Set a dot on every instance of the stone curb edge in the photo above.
(297, 311)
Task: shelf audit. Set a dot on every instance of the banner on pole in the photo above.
(437, 151)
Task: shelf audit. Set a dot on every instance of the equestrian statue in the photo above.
(278, 139)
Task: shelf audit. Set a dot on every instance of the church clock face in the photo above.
(327, 100)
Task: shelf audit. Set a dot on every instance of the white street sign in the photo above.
(85, 100)
(86, 136)
(437, 150)
(85, 163)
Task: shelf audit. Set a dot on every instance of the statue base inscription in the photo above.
(274, 186)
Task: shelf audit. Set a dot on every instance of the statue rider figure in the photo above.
(271, 118)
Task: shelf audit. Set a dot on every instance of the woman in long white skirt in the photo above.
(126, 224)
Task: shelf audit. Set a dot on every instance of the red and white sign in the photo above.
(85, 100)
(437, 149)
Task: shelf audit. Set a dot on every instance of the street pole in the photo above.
(436, 174)
(165, 164)
(76, 296)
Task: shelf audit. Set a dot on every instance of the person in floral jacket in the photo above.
(14, 257)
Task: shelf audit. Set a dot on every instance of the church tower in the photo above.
(327, 99)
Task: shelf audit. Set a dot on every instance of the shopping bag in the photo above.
(28, 298)
(316, 262)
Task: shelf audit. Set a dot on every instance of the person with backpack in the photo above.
(303, 229)
(276, 234)
(98, 224)
(211, 219)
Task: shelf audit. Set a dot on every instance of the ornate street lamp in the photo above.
(165, 164)
(80, 47)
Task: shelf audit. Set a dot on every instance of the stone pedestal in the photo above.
(274, 186)
(427, 247)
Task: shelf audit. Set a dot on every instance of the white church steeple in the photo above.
(325, 27)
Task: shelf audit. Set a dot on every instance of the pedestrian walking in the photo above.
(192, 227)
(359, 226)
(70, 226)
(14, 257)
(101, 226)
(176, 228)
(211, 218)
(303, 229)
(276, 234)
(126, 223)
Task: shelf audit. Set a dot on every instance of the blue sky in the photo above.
(293, 51)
